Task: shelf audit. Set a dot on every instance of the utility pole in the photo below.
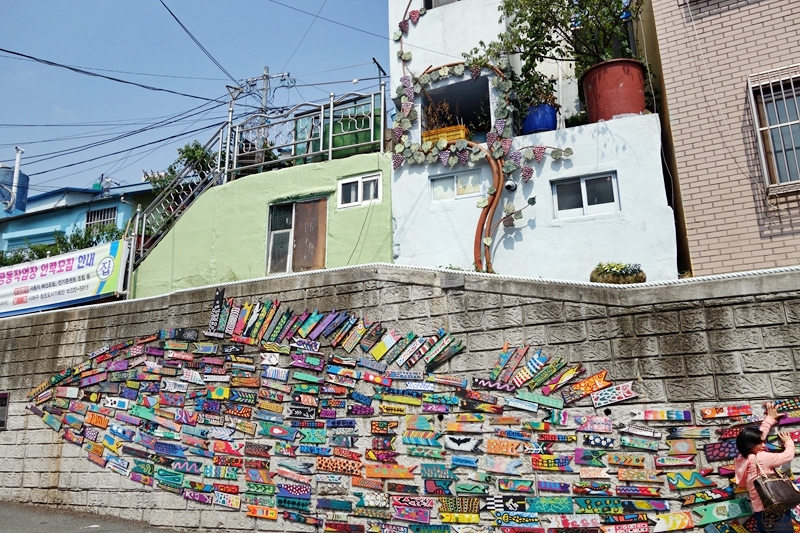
(265, 91)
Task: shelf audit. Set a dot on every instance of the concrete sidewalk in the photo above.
(26, 518)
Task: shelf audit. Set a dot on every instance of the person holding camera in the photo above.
(751, 444)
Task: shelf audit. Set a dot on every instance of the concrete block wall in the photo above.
(686, 345)
(708, 49)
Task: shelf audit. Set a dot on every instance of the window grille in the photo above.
(101, 217)
(774, 96)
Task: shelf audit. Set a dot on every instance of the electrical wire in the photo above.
(69, 151)
(217, 125)
(86, 135)
(167, 141)
(129, 72)
(147, 153)
(203, 48)
(110, 78)
(303, 38)
(384, 37)
(335, 69)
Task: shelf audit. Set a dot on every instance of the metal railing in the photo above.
(306, 133)
(152, 224)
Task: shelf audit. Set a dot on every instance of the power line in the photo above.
(384, 37)
(110, 78)
(303, 38)
(335, 69)
(87, 135)
(336, 82)
(206, 52)
(69, 151)
(129, 72)
(125, 150)
(167, 141)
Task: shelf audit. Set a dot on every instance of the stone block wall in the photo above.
(686, 345)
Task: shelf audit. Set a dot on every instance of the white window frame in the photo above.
(377, 177)
(781, 82)
(585, 210)
(100, 217)
(454, 176)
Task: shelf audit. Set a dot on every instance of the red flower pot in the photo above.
(614, 88)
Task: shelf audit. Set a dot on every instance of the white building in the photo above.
(604, 203)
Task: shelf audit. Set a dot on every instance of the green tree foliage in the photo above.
(199, 160)
(585, 31)
(77, 240)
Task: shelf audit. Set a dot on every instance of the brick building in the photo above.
(730, 86)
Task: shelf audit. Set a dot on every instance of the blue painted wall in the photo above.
(38, 227)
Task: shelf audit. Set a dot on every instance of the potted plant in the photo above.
(441, 123)
(619, 273)
(595, 34)
(533, 91)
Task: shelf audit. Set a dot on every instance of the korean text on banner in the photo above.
(63, 279)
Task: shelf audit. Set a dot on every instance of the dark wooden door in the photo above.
(310, 226)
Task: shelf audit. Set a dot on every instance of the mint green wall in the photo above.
(223, 235)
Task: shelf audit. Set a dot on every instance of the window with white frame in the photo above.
(775, 104)
(101, 217)
(590, 195)
(361, 190)
(456, 185)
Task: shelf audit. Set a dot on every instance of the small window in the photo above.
(456, 186)
(101, 217)
(363, 190)
(593, 195)
(429, 4)
(775, 103)
(3, 410)
(296, 239)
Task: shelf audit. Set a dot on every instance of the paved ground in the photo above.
(22, 518)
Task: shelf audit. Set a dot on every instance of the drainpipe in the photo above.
(12, 199)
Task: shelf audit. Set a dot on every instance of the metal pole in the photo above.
(234, 92)
(265, 91)
(132, 253)
(219, 153)
(383, 114)
(330, 131)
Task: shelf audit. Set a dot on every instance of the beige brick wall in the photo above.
(708, 48)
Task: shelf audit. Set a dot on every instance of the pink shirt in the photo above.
(746, 470)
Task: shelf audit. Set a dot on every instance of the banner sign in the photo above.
(63, 280)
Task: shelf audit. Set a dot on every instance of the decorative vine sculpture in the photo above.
(497, 152)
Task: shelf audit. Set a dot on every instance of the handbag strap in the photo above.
(760, 470)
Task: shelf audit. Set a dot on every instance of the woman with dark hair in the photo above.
(752, 447)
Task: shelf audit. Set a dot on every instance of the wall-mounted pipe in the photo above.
(12, 199)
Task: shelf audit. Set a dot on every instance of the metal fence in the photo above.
(307, 133)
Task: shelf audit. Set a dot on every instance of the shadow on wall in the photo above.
(708, 8)
(777, 215)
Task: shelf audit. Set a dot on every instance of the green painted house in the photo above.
(302, 217)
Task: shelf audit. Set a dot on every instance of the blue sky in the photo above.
(131, 38)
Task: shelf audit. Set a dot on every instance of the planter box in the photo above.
(451, 133)
(620, 279)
